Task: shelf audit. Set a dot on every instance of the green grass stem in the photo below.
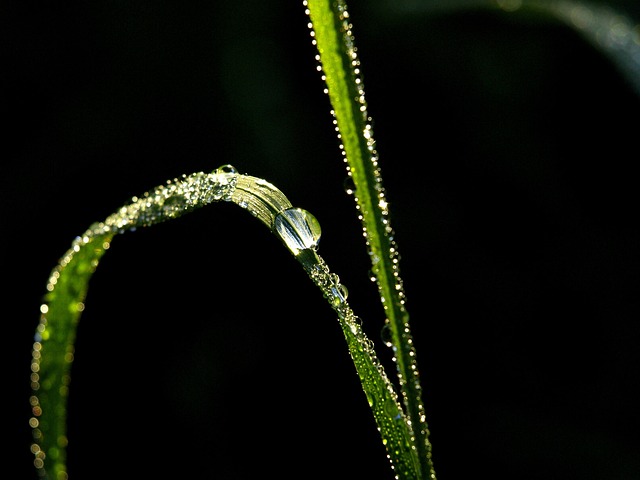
(332, 33)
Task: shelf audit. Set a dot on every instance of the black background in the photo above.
(508, 146)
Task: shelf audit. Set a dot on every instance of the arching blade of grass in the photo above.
(332, 34)
(612, 32)
(53, 348)
(610, 29)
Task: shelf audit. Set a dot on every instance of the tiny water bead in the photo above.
(340, 294)
(225, 169)
(387, 336)
(349, 185)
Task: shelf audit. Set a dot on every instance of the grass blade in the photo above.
(611, 29)
(53, 348)
(332, 34)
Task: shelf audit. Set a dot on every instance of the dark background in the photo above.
(508, 146)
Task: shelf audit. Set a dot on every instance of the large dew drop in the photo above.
(298, 229)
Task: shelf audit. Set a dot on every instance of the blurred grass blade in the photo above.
(332, 34)
(53, 348)
(610, 29)
(53, 351)
(612, 32)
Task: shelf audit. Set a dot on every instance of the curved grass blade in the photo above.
(612, 32)
(608, 28)
(332, 34)
(53, 347)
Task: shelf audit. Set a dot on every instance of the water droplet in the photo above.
(385, 335)
(349, 185)
(343, 291)
(339, 294)
(226, 169)
(298, 229)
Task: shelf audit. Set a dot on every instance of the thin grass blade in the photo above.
(332, 34)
